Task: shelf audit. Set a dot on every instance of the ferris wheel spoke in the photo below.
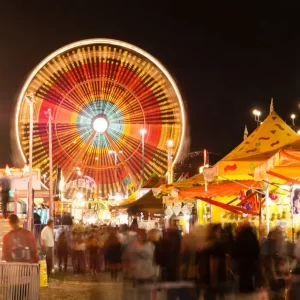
(112, 144)
(79, 156)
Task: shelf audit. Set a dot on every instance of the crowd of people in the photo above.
(213, 262)
(221, 262)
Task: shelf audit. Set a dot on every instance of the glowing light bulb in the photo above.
(170, 143)
(100, 125)
(143, 131)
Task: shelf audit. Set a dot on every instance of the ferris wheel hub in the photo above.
(100, 124)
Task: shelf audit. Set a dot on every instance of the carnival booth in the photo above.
(284, 166)
(14, 189)
(147, 210)
(243, 163)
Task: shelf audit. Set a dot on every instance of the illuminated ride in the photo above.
(102, 94)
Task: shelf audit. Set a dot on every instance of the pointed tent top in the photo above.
(272, 105)
(271, 135)
(246, 132)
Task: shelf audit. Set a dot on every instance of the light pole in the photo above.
(30, 101)
(115, 155)
(49, 115)
(293, 116)
(143, 131)
(257, 114)
(170, 145)
(115, 159)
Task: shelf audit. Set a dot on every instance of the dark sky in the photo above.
(227, 60)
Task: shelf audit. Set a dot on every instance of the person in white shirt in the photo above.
(47, 237)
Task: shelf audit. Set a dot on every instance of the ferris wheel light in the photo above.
(79, 195)
(170, 143)
(100, 125)
(143, 131)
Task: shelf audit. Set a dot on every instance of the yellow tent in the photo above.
(273, 134)
(196, 180)
(284, 164)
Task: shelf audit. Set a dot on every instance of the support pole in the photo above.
(116, 161)
(50, 165)
(143, 159)
(170, 165)
(292, 212)
(30, 100)
(267, 206)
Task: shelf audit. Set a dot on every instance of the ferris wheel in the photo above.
(103, 94)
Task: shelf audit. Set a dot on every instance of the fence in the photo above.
(19, 281)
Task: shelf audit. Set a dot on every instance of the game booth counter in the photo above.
(147, 211)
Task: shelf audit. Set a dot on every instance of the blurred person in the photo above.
(297, 251)
(144, 268)
(214, 263)
(128, 241)
(293, 292)
(93, 252)
(62, 250)
(246, 252)
(78, 252)
(134, 225)
(113, 253)
(168, 256)
(47, 238)
(278, 259)
(154, 235)
(102, 237)
(19, 246)
(144, 257)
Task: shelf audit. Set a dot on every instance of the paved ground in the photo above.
(82, 287)
(77, 287)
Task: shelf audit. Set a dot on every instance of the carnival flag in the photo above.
(126, 180)
(180, 178)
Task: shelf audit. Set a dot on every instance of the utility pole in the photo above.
(49, 115)
(30, 101)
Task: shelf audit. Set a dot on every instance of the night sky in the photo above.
(227, 60)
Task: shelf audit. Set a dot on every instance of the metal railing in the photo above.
(19, 281)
